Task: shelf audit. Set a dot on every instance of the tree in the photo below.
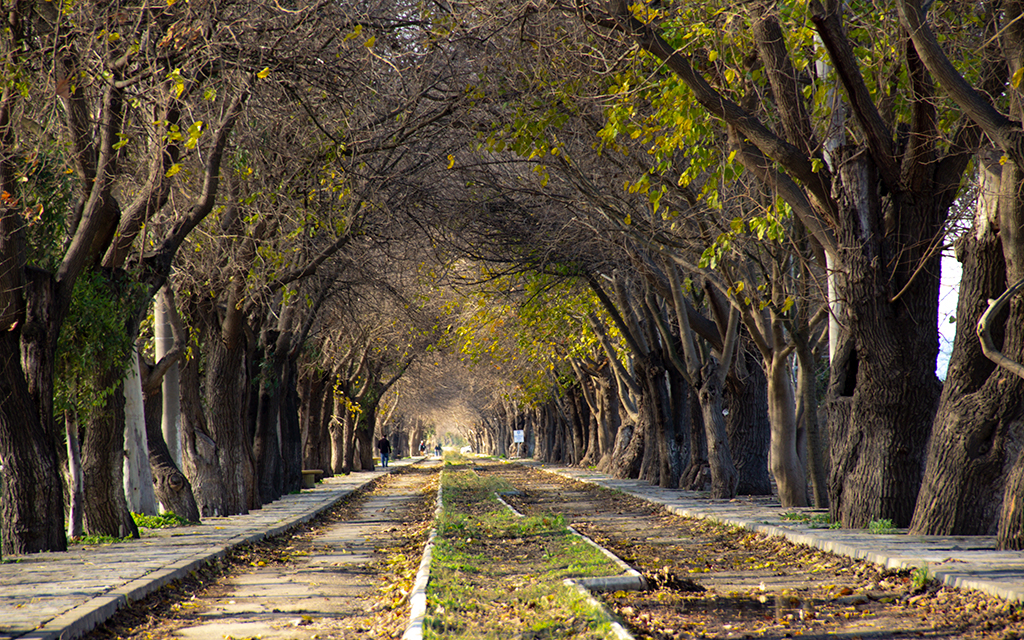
(979, 410)
(880, 243)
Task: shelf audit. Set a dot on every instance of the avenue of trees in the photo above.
(694, 243)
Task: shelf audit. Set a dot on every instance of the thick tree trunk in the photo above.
(364, 437)
(227, 402)
(311, 422)
(106, 512)
(266, 445)
(748, 424)
(608, 415)
(883, 391)
(627, 454)
(724, 478)
(697, 476)
(291, 430)
(32, 518)
(978, 420)
(199, 452)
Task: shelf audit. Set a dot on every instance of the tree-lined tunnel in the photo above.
(693, 243)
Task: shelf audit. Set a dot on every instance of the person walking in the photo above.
(384, 446)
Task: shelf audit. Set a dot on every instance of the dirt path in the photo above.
(342, 577)
(721, 582)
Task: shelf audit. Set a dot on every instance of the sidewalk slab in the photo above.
(62, 596)
(966, 562)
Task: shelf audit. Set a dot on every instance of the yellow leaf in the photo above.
(712, 56)
(175, 168)
(263, 74)
(451, 161)
(369, 42)
(1017, 75)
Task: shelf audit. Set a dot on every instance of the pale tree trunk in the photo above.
(76, 496)
(784, 457)
(807, 415)
(138, 478)
(163, 339)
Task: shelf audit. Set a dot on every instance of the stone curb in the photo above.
(418, 593)
(965, 562)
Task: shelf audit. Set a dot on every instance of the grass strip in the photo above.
(495, 575)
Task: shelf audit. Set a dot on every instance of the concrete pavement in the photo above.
(968, 562)
(50, 596)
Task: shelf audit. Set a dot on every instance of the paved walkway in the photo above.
(60, 596)
(969, 562)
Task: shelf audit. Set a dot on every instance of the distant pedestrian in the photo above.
(423, 448)
(437, 449)
(384, 446)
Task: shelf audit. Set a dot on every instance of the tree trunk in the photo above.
(697, 476)
(138, 478)
(349, 422)
(76, 499)
(608, 414)
(106, 512)
(979, 412)
(173, 490)
(364, 436)
(32, 518)
(200, 458)
(227, 401)
(748, 424)
(291, 430)
(883, 390)
(266, 445)
(807, 415)
(724, 478)
(786, 465)
(163, 340)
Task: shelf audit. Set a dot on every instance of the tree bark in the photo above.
(748, 424)
(724, 477)
(173, 490)
(200, 454)
(787, 467)
(138, 477)
(227, 402)
(979, 409)
(883, 391)
(106, 511)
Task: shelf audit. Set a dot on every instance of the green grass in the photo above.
(162, 521)
(882, 526)
(495, 575)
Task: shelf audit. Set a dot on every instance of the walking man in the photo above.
(384, 446)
